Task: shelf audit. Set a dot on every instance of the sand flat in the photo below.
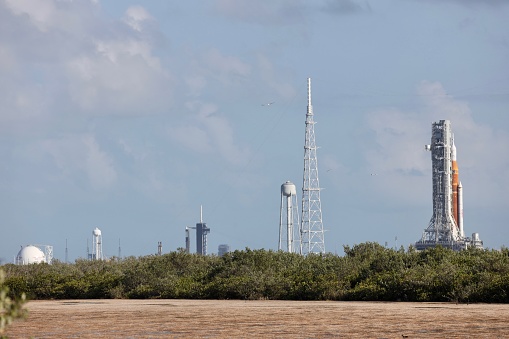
(259, 319)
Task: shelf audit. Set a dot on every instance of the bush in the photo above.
(11, 308)
(368, 271)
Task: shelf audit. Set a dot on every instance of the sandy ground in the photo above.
(259, 319)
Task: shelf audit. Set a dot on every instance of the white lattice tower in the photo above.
(311, 228)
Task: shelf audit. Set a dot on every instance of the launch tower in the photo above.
(311, 228)
(201, 235)
(445, 227)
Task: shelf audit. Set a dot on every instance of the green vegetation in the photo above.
(368, 271)
(10, 307)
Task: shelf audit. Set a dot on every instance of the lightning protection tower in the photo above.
(311, 228)
(289, 237)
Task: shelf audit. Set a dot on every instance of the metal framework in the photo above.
(443, 228)
(311, 228)
(201, 235)
(48, 253)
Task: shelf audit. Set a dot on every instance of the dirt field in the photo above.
(259, 319)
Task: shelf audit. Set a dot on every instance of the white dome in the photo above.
(96, 232)
(30, 255)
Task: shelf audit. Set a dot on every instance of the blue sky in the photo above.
(127, 116)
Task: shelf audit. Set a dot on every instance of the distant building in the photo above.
(34, 255)
(223, 249)
(97, 246)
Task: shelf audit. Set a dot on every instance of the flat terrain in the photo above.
(259, 319)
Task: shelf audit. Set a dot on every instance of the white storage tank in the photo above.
(30, 255)
(288, 189)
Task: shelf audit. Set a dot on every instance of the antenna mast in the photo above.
(311, 229)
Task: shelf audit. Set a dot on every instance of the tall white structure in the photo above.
(97, 245)
(445, 227)
(289, 236)
(311, 228)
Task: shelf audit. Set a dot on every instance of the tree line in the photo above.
(367, 271)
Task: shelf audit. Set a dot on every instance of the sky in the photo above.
(130, 115)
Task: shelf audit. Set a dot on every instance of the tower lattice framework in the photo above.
(311, 228)
(442, 228)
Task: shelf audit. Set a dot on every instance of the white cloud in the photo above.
(39, 13)
(192, 137)
(135, 16)
(210, 133)
(50, 15)
(488, 3)
(119, 77)
(80, 155)
(66, 57)
(262, 12)
(225, 67)
(345, 7)
(399, 138)
(195, 84)
(270, 75)
(98, 165)
(400, 158)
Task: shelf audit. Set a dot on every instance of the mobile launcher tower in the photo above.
(446, 225)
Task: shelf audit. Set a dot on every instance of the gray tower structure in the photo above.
(443, 226)
(223, 249)
(188, 240)
(311, 228)
(201, 235)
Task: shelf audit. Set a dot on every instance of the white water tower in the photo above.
(97, 245)
(289, 219)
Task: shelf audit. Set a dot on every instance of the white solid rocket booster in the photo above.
(460, 209)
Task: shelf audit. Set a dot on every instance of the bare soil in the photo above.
(259, 319)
